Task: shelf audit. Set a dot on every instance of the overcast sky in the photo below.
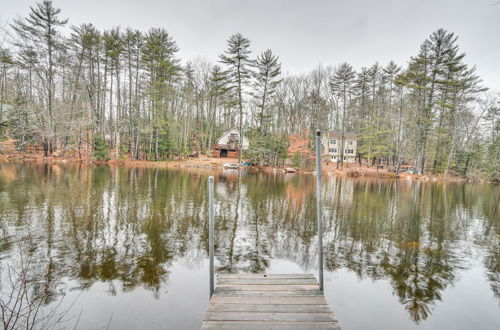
(302, 33)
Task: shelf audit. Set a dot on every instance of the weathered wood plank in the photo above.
(267, 287)
(264, 280)
(269, 308)
(268, 293)
(288, 317)
(269, 325)
(265, 276)
(272, 300)
(278, 301)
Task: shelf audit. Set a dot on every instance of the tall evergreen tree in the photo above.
(439, 80)
(6, 61)
(342, 83)
(266, 79)
(39, 31)
(237, 58)
(162, 68)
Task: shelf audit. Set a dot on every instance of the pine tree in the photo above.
(162, 68)
(217, 93)
(101, 149)
(440, 82)
(39, 32)
(6, 61)
(266, 79)
(374, 143)
(363, 92)
(237, 59)
(342, 83)
(391, 71)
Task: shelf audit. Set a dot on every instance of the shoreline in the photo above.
(207, 163)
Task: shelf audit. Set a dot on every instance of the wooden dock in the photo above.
(259, 301)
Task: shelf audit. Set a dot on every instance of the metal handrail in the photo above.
(319, 208)
(211, 231)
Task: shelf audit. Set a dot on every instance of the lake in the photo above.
(128, 247)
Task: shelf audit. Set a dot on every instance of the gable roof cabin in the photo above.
(228, 144)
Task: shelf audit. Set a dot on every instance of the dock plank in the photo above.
(268, 301)
(263, 281)
(267, 287)
(265, 276)
(271, 300)
(269, 325)
(270, 308)
(258, 316)
(267, 293)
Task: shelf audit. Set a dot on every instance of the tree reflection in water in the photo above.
(126, 226)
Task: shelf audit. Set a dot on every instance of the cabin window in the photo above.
(233, 136)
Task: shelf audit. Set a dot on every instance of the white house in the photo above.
(228, 144)
(331, 145)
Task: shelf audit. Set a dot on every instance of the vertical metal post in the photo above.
(319, 210)
(211, 231)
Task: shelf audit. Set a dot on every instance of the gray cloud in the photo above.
(303, 33)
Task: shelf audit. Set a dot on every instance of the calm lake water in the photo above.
(129, 245)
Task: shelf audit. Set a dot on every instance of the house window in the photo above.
(333, 141)
(333, 150)
(233, 138)
(350, 143)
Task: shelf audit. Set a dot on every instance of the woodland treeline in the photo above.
(123, 93)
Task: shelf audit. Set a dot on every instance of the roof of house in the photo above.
(232, 130)
(338, 135)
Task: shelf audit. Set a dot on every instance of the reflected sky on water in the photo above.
(129, 246)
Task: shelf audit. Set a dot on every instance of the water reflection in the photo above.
(126, 226)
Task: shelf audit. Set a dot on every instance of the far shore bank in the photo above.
(207, 163)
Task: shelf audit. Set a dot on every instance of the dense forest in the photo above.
(123, 93)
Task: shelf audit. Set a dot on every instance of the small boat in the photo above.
(231, 165)
(290, 170)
